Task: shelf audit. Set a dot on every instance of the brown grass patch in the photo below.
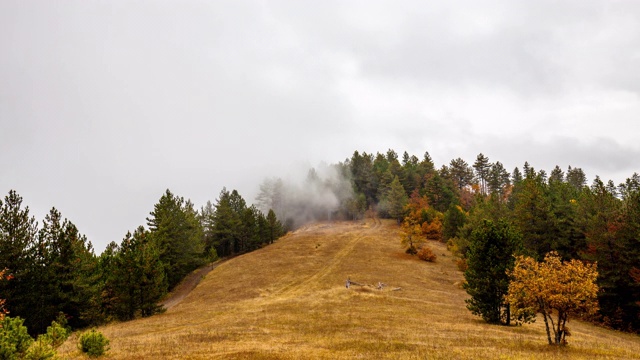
(289, 301)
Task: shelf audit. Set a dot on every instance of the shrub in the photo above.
(41, 349)
(458, 246)
(93, 343)
(212, 255)
(57, 332)
(462, 265)
(426, 254)
(14, 338)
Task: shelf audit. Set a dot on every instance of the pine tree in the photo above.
(532, 215)
(272, 196)
(482, 167)
(275, 229)
(440, 190)
(226, 224)
(498, 182)
(557, 175)
(410, 179)
(461, 173)
(135, 276)
(151, 280)
(363, 176)
(490, 256)
(17, 238)
(516, 176)
(394, 200)
(454, 219)
(576, 177)
(70, 261)
(175, 229)
(603, 214)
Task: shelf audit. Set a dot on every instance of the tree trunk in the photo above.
(563, 329)
(508, 311)
(558, 330)
(546, 324)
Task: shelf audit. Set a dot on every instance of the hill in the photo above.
(289, 300)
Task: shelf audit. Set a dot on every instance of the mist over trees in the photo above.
(324, 194)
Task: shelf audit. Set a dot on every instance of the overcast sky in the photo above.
(105, 104)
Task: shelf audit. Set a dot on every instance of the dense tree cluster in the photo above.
(556, 211)
(53, 268)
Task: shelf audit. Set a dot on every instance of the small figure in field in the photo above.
(348, 282)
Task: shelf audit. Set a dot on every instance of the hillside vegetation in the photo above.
(288, 300)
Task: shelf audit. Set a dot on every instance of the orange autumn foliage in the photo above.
(553, 287)
(426, 254)
(416, 208)
(412, 238)
(433, 230)
(3, 311)
(420, 213)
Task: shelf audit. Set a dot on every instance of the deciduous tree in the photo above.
(412, 237)
(553, 288)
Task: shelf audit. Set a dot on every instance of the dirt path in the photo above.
(187, 285)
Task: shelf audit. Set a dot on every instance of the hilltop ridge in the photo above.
(289, 300)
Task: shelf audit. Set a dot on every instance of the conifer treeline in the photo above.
(53, 268)
(558, 211)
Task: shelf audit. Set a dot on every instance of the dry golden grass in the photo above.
(289, 301)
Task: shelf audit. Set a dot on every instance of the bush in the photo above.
(458, 246)
(14, 338)
(212, 255)
(462, 265)
(93, 343)
(426, 254)
(57, 332)
(41, 349)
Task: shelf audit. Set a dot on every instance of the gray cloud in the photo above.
(103, 105)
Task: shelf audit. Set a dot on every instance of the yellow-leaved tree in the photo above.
(554, 288)
(412, 238)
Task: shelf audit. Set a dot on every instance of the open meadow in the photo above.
(289, 301)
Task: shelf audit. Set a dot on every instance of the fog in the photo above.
(297, 200)
(105, 105)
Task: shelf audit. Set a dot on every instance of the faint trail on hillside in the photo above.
(187, 285)
(330, 266)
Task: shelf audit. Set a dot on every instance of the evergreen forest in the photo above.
(52, 269)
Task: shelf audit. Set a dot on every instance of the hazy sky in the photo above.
(105, 104)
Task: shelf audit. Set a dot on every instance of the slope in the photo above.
(289, 301)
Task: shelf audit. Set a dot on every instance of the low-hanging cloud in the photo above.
(298, 200)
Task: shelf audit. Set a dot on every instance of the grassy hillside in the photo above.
(289, 301)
